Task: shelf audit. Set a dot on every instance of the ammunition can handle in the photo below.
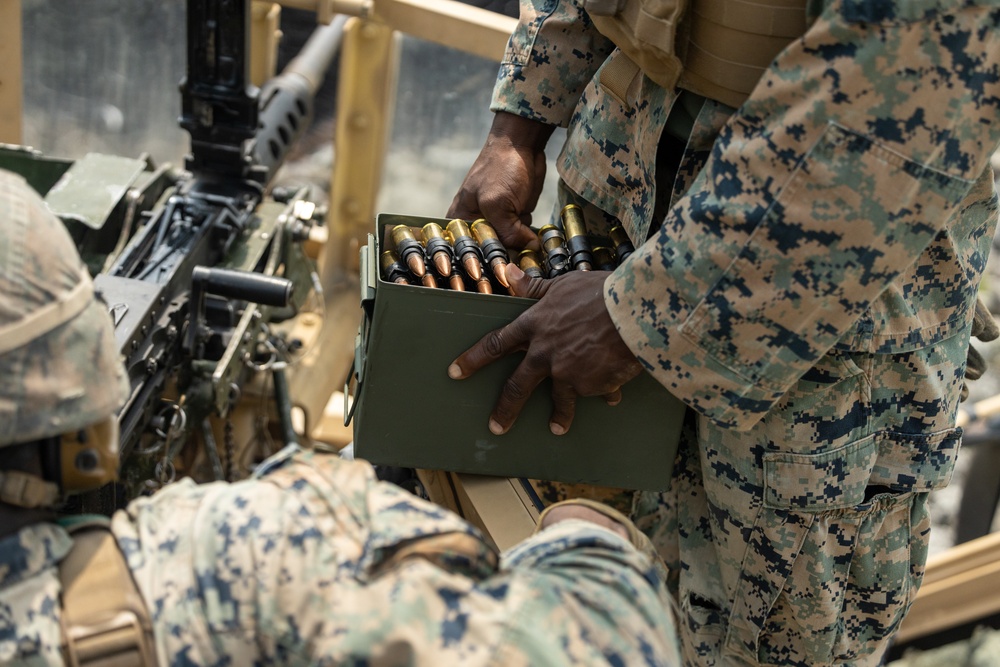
(357, 363)
(369, 275)
(369, 282)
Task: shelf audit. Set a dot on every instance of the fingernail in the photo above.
(557, 429)
(495, 427)
(455, 372)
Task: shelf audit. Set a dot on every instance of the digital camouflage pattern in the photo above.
(48, 382)
(315, 562)
(809, 295)
(29, 595)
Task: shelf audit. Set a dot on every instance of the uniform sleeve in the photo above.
(588, 595)
(849, 158)
(551, 56)
(319, 563)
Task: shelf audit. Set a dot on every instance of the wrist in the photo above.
(519, 131)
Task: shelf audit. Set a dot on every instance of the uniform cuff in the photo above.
(688, 371)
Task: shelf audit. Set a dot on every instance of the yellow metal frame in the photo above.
(366, 92)
(368, 67)
(11, 90)
(460, 26)
(466, 28)
(265, 34)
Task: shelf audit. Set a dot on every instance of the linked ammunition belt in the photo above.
(471, 258)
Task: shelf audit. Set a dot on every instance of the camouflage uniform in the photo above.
(809, 295)
(316, 562)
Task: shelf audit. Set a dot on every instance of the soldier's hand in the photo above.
(506, 179)
(568, 336)
(583, 513)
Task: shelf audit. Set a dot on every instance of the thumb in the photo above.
(521, 284)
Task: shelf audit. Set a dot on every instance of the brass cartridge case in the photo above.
(622, 243)
(575, 228)
(555, 253)
(466, 249)
(392, 269)
(437, 248)
(604, 258)
(409, 249)
(529, 262)
(493, 250)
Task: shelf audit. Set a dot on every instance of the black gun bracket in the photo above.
(219, 105)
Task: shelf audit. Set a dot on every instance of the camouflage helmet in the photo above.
(60, 367)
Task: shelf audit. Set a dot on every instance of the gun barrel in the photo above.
(314, 59)
(287, 99)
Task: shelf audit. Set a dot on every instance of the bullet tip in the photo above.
(500, 271)
(416, 265)
(473, 267)
(442, 263)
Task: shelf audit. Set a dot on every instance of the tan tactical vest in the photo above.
(105, 622)
(716, 48)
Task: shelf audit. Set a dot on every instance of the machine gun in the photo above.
(205, 260)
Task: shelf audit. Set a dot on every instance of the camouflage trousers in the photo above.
(802, 541)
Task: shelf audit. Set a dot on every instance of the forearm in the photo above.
(605, 597)
(518, 132)
(551, 56)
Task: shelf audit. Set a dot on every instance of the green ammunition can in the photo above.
(408, 332)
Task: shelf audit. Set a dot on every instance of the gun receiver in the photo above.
(216, 260)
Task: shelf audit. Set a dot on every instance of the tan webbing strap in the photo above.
(618, 76)
(777, 18)
(105, 620)
(731, 42)
(644, 30)
(26, 490)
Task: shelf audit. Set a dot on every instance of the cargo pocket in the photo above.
(838, 550)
